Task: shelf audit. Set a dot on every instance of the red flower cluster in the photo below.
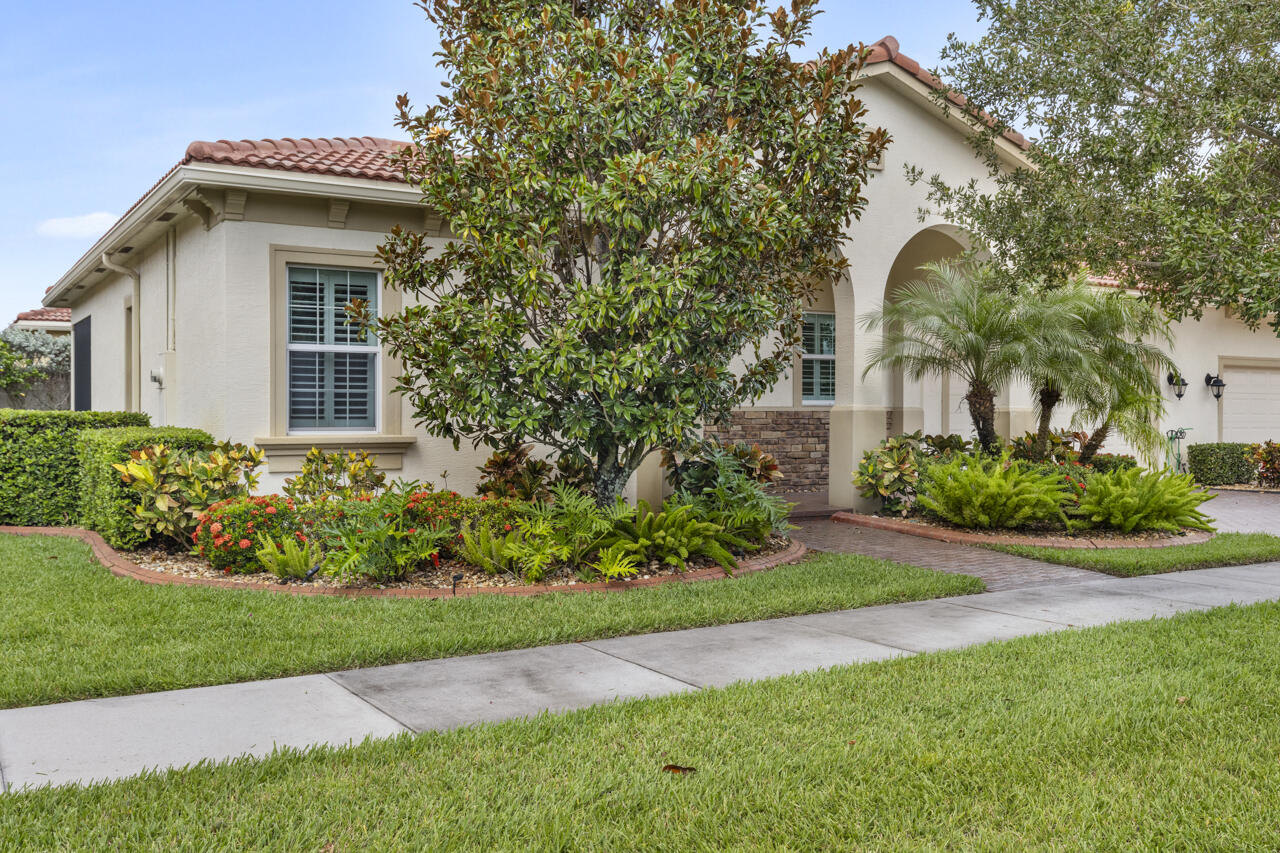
(228, 532)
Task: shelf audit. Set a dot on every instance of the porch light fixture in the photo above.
(1178, 384)
(1215, 384)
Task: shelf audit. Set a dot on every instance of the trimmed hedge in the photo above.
(1105, 463)
(1221, 464)
(106, 503)
(39, 470)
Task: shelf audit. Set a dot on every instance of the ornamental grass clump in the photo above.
(989, 492)
(1133, 500)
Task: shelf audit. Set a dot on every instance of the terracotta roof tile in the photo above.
(46, 315)
(350, 156)
(886, 50)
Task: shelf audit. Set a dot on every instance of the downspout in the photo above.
(135, 331)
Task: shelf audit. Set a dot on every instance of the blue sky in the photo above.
(100, 99)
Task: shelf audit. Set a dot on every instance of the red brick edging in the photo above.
(118, 565)
(961, 537)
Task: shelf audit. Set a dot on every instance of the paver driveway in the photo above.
(998, 571)
(1246, 512)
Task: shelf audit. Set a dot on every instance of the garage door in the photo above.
(1251, 404)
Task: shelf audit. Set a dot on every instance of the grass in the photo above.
(1161, 735)
(71, 630)
(1225, 549)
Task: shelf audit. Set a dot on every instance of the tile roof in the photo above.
(347, 156)
(46, 315)
(886, 50)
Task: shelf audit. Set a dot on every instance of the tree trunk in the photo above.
(610, 477)
(982, 409)
(1049, 398)
(1094, 444)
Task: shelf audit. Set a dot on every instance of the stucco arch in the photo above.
(869, 407)
(920, 404)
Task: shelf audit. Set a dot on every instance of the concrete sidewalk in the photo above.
(102, 739)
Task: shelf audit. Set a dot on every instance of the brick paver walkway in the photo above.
(999, 571)
(1245, 512)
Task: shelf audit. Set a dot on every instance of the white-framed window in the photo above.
(818, 359)
(332, 366)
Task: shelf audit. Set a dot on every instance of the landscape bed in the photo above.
(456, 576)
(1084, 540)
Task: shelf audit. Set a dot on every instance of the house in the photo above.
(54, 321)
(53, 391)
(215, 302)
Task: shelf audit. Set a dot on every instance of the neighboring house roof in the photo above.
(55, 321)
(886, 50)
(45, 315)
(350, 156)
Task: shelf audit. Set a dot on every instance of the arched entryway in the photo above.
(930, 404)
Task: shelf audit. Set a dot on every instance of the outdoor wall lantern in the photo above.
(1215, 384)
(1178, 384)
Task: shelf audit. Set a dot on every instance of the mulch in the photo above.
(959, 536)
(156, 567)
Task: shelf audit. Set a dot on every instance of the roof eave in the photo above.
(903, 81)
(167, 195)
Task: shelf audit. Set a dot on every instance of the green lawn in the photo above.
(1162, 735)
(71, 630)
(1225, 549)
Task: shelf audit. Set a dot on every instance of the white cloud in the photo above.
(89, 225)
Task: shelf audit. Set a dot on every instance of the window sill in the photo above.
(285, 453)
(826, 403)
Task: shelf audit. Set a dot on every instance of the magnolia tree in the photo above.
(641, 193)
(1157, 151)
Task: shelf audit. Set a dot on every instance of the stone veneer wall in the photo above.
(798, 438)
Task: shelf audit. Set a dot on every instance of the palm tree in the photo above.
(958, 321)
(1121, 392)
(1055, 319)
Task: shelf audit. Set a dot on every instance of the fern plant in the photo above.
(616, 563)
(992, 492)
(739, 504)
(536, 550)
(674, 535)
(576, 522)
(487, 550)
(1133, 500)
(291, 559)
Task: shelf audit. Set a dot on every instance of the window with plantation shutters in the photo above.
(332, 365)
(818, 360)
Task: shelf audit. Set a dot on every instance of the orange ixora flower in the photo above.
(244, 543)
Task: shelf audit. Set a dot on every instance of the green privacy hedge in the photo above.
(106, 503)
(39, 470)
(1221, 464)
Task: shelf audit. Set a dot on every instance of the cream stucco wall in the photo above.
(884, 247)
(1215, 344)
(217, 375)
